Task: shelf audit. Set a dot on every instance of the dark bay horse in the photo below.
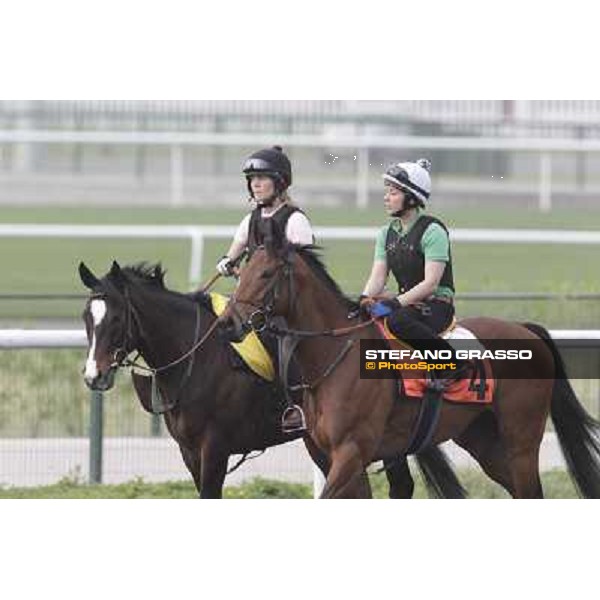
(217, 410)
(355, 421)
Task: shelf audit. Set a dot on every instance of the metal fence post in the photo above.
(96, 436)
(155, 425)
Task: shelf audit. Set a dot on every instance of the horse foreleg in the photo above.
(318, 456)
(401, 484)
(191, 459)
(347, 477)
(215, 454)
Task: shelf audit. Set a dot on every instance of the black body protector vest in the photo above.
(256, 236)
(406, 260)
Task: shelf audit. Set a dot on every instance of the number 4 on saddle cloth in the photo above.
(476, 386)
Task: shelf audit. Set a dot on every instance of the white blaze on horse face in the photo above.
(98, 312)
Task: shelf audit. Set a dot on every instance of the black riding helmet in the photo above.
(272, 162)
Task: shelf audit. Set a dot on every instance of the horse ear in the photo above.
(116, 275)
(115, 269)
(87, 277)
(159, 275)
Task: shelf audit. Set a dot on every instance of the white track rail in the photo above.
(198, 234)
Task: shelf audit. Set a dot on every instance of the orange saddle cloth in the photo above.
(466, 390)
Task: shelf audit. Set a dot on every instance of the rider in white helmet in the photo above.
(415, 247)
(268, 176)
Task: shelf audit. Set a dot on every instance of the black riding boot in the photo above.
(417, 327)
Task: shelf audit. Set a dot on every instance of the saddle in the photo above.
(475, 386)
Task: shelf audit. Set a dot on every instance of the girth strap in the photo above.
(429, 414)
(478, 373)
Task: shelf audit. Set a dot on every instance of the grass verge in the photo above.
(557, 485)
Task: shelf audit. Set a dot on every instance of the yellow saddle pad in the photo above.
(251, 349)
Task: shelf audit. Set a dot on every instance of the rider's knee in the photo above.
(400, 318)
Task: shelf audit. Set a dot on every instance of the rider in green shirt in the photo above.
(415, 247)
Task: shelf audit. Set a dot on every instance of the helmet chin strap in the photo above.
(409, 203)
(401, 212)
(267, 201)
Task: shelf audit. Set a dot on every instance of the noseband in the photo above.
(120, 356)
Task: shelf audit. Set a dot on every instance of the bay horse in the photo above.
(215, 409)
(355, 421)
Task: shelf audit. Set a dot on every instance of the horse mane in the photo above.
(312, 257)
(150, 273)
(276, 244)
(153, 275)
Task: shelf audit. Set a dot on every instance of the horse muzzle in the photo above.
(101, 382)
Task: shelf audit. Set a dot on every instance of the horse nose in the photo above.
(231, 329)
(91, 382)
(102, 382)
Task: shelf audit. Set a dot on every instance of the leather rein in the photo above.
(121, 354)
(260, 319)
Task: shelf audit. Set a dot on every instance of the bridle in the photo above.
(263, 310)
(128, 345)
(261, 319)
(124, 349)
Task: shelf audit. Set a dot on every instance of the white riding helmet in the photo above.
(411, 176)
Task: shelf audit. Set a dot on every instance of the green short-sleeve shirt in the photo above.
(435, 245)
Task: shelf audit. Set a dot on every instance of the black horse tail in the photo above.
(577, 431)
(439, 477)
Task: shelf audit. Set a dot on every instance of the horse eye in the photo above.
(267, 274)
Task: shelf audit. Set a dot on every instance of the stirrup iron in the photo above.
(288, 412)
